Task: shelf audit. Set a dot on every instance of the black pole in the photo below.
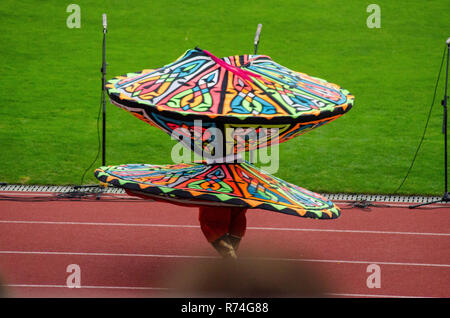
(444, 104)
(103, 70)
(255, 43)
(445, 197)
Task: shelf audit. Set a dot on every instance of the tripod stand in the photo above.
(446, 196)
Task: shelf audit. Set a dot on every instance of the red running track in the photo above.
(132, 248)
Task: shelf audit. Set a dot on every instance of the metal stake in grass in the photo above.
(258, 32)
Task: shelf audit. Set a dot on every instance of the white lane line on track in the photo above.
(109, 254)
(89, 287)
(373, 295)
(197, 227)
(168, 289)
(216, 257)
(348, 231)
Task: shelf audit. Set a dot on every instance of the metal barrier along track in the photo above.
(113, 190)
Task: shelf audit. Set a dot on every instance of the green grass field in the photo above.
(51, 81)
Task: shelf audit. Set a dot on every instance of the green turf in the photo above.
(50, 84)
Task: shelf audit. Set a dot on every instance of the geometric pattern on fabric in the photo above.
(238, 184)
(197, 89)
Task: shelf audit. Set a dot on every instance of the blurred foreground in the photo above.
(246, 278)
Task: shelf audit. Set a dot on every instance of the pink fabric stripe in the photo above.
(236, 70)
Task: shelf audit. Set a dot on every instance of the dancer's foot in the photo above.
(224, 247)
(234, 240)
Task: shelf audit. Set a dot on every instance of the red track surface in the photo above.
(130, 249)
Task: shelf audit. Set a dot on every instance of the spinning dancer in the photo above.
(209, 102)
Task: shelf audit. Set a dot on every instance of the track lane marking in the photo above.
(217, 257)
(90, 287)
(249, 228)
(169, 289)
(374, 295)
